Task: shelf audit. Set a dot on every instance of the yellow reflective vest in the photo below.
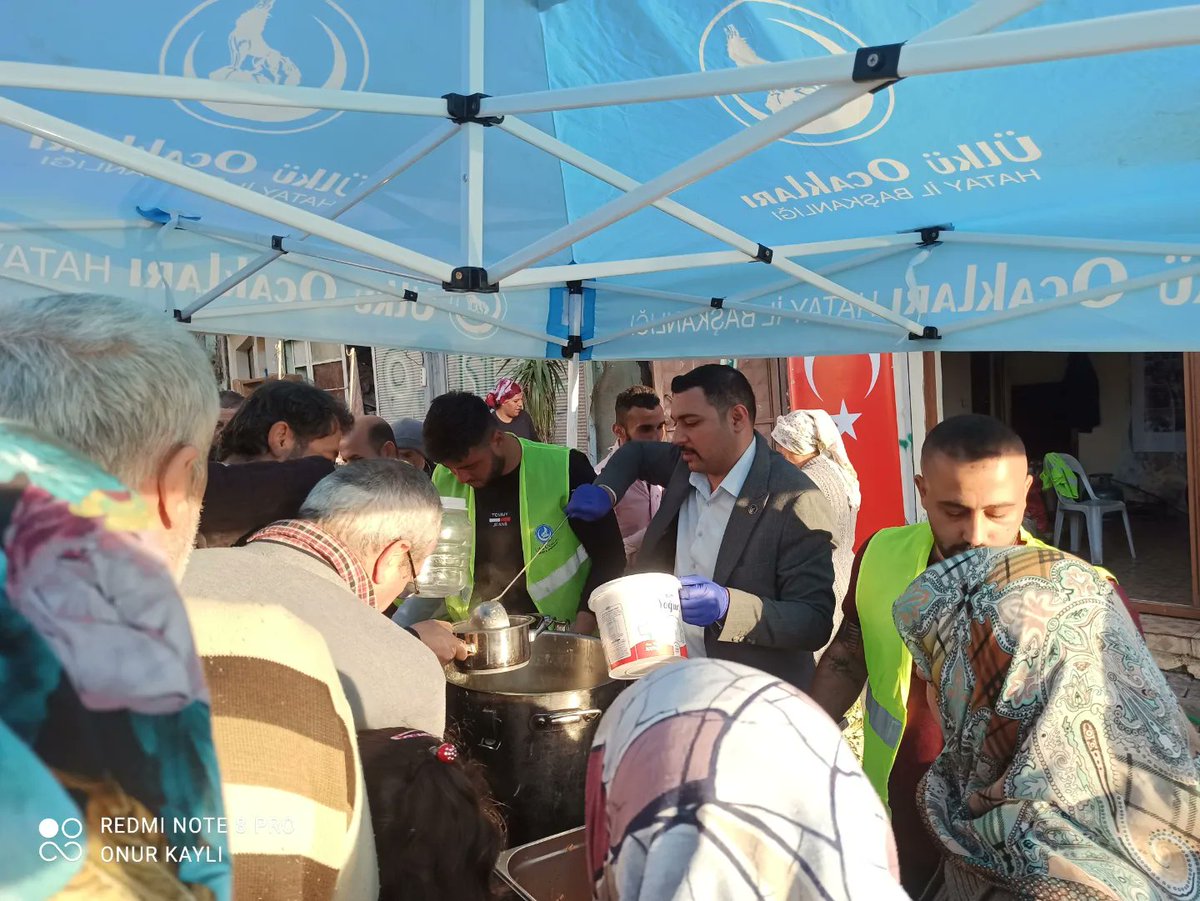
(893, 559)
(556, 578)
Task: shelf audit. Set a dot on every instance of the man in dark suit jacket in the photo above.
(746, 531)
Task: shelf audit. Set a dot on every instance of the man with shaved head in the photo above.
(370, 439)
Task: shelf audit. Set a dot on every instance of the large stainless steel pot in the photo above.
(532, 729)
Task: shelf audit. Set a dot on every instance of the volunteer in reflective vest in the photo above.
(973, 483)
(515, 492)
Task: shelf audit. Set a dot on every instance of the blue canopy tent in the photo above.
(611, 179)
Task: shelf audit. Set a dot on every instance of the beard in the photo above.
(954, 550)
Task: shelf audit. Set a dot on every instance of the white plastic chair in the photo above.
(1092, 510)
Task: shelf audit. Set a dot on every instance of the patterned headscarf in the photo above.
(1067, 771)
(104, 711)
(814, 432)
(709, 780)
(506, 389)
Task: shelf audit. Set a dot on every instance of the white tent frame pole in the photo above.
(554, 276)
(381, 178)
(87, 141)
(864, 259)
(962, 52)
(79, 225)
(1110, 34)
(300, 249)
(980, 17)
(44, 284)
(1067, 300)
(1044, 242)
(592, 166)
(548, 276)
(381, 289)
(177, 87)
(750, 248)
(730, 150)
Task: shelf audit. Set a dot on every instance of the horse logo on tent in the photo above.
(752, 32)
(311, 43)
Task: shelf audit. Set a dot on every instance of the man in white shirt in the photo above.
(747, 532)
(640, 417)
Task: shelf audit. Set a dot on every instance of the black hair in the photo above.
(641, 396)
(972, 437)
(231, 400)
(310, 413)
(455, 424)
(379, 434)
(438, 832)
(724, 387)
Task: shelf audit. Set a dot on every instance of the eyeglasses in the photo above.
(413, 569)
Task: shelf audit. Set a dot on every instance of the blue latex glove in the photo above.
(589, 503)
(703, 601)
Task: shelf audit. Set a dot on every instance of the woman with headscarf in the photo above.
(711, 780)
(1069, 769)
(507, 402)
(810, 439)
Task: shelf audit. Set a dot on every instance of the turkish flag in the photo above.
(859, 392)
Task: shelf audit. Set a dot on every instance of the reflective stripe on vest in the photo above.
(555, 579)
(886, 726)
(893, 559)
(543, 588)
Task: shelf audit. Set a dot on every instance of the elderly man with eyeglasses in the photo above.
(356, 545)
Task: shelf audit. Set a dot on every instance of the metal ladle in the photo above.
(491, 614)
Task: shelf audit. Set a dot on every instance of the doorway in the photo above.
(1133, 422)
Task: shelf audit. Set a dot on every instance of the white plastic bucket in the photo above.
(641, 625)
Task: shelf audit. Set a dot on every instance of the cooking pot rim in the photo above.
(458, 679)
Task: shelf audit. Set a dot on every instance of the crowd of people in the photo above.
(219, 677)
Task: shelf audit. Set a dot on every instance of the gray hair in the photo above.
(368, 504)
(118, 380)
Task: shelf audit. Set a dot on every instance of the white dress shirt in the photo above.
(702, 521)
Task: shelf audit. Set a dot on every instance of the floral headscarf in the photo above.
(506, 389)
(711, 780)
(1067, 770)
(814, 432)
(103, 708)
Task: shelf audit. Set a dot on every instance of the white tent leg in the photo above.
(1077, 297)
(417, 152)
(472, 189)
(573, 407)
(87, 141)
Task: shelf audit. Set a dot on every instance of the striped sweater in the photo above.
(298, 823)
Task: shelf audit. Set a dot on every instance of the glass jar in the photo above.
(447, 571)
